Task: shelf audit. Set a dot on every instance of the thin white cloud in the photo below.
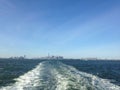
(67, 32)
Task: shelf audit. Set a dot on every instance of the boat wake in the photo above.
(54, 75)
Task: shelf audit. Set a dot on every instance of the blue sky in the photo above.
(71, 28)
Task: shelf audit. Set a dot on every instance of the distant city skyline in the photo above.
(70, 28)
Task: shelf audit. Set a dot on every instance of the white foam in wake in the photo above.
(54, 75)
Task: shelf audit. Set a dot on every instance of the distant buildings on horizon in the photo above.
(46, 57)
(18, 58)
(52, 57)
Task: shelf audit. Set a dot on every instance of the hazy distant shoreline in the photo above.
(61, 59)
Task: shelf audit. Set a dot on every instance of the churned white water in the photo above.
(54, 75)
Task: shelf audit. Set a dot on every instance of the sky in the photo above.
(70, 28)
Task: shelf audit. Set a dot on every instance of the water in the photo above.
(59, 75)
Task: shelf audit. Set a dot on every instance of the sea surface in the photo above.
(59, 74)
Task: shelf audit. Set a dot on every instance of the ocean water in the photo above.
(59, 75)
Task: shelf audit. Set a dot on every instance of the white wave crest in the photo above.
(54, 75)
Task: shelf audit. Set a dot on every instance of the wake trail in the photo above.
(54, 75)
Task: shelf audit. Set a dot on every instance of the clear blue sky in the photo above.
(71, 28)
